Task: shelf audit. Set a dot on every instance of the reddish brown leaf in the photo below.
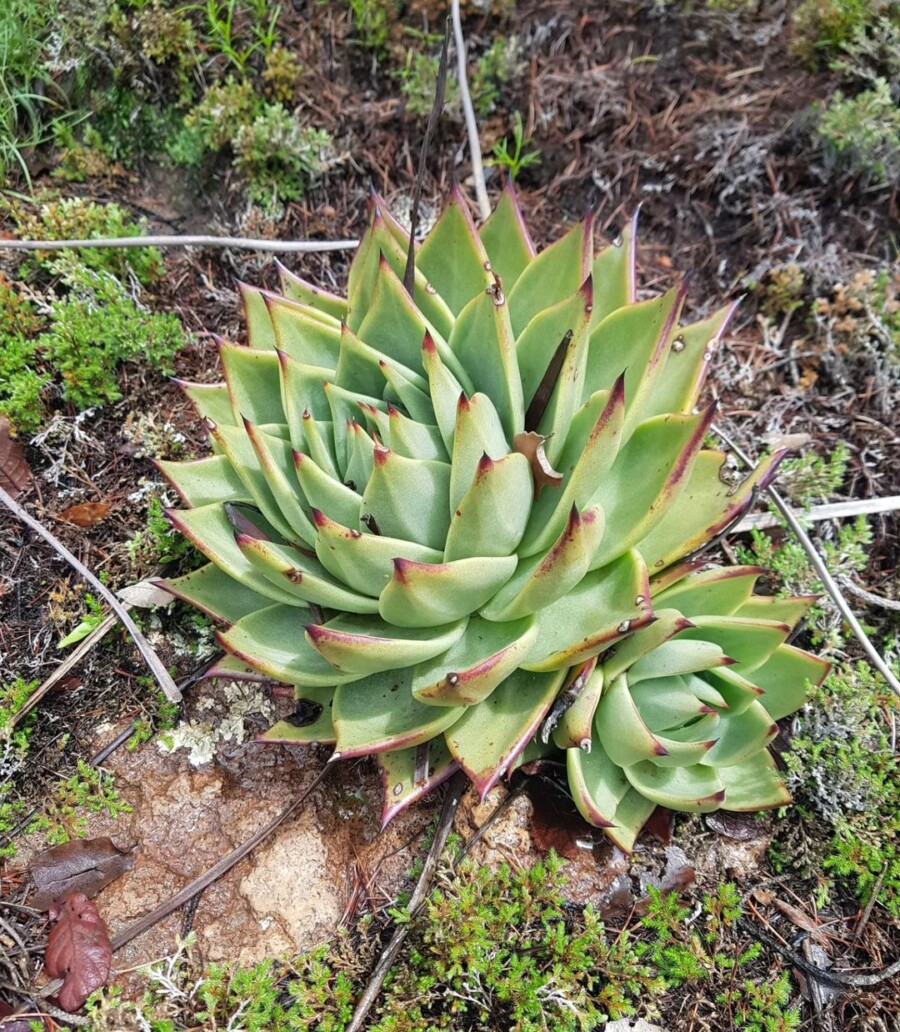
(660, 825)
(78, 950)
(9, 1022)
(82, 865)
(86, 514)
(15, 474)
(531, 445)
(556, 824)
(741, 827)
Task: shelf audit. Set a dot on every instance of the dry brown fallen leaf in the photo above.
(15, 473)
(86, 514)
(81, 865)
(78, 950)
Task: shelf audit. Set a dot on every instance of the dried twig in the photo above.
(217, 870)
(163, 678)
(385, 961)
(72, 660)
(245, 243)
(833, 978)
(484, 205)
(828, 582)
(409, 273)
(817, 513)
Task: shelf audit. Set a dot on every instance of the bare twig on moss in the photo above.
(817, 513)
(176, 240)
(163, 678)
(72, 660)
(818, 563)
(484, 205)
(385, 961)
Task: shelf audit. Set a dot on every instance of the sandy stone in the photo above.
(289, 883)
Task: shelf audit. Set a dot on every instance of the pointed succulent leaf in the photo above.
(367, 645)
(453, 258)
(409, 774)
(380, 713)
(608, 604)
(478, 434)
(297, 289)
(260, 333)
(204, 481)
(481, 659)
(309, 724)
(215, 592)
(254, 384)
(483, 341)
(365, 562)
(665, 625)
(409, 498)
(710, 589)
(273, 640)
(488, 737)
(301, 333)
(211, 401)
(613, 274)
(574, 728)
(506, 238)
(490, 518)
(428, 594)
(754, 784)
(325, 492)
(741, 736)
(698, 788)
(681, 656)
(540, 581)
(556, 273)
(787, 677)
(748, 642)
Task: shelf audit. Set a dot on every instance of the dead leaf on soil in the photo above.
(801, 920)
(15, 474)
(660, 825)
(78, 950)
(145, 595)
(9, 1022)
(740, 827)
(82, 865)
(86, 514)
(556, 824)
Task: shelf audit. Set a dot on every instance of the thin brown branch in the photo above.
(484, 205)
(423, 886)
(163, 678)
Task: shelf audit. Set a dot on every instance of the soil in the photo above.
(698, 117)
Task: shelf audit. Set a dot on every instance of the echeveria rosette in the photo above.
(424, 511)
(681, 713)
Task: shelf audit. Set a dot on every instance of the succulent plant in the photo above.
(432, 511)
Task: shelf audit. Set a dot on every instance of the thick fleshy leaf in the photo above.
(787, 610)
(696, 789)
(690, 351)
(365, 562)
(408, 498)
(491, 517)
(452, 257)
(380, 713)
(556, 273)
(472, 668)
(256, 313)
(754, 784)
(428, 594)
(478, 434)
(254, 384)
(366, 645)
(591, 446)
(204, 481)
(632, 741)
(209, 528)
(665, 625)
(276, 460)
(748, 642)
(575, 725)
(506, 238)
(483, 341)
(210, 400)
(541, 580)
(409, 774)
(298, 289)
(361, 368)
(608, 604)
(604, 796)
(273, 640)
(613, 274)
(666, 704)
(488, 737)
(680, 656)
(710, 589)
(787, 677)
(302, 333)
(310, 723)
(741, 736)
(291, 569)
(710, 502)
(216, 593)
(445, 390)
(325, 492)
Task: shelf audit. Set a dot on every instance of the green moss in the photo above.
(845, 778)
(88, 791)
